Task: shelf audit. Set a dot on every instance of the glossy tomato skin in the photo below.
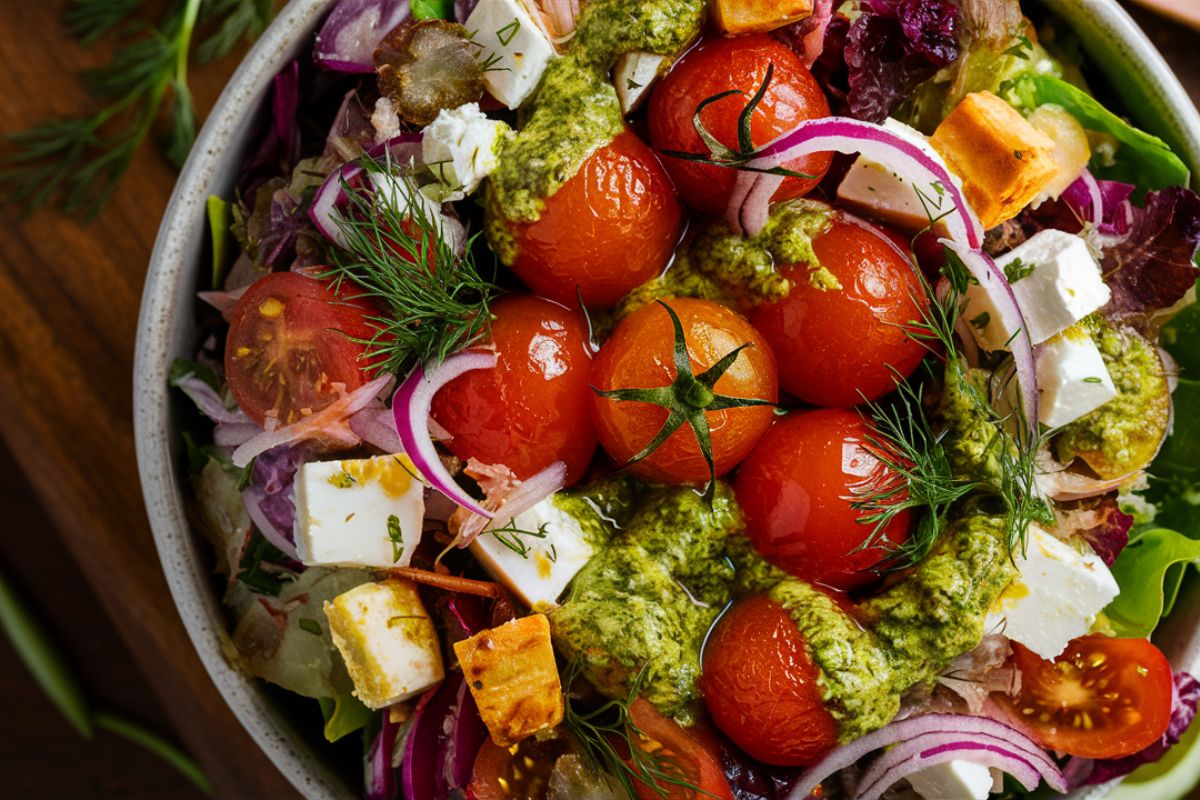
(610, 228)
(1102, 698)
(760, 686)
(794, 490)
(693, 752)
(290, 339)
(719, 65)
(639, 354)
(838, 347)
(532, 409)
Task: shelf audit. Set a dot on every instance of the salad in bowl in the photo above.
(673, 398)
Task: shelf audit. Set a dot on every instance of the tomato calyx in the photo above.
(687, 400)
(718, 154)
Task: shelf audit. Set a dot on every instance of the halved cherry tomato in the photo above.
(532, 409)
(760, 685)
(607, 230)
(1102, 698)
(720, 65)
(290, 339)
(692, 756)
(639, 355)
(796, 491)
(839, 347)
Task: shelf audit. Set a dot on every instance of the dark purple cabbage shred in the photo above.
(1110, 535)
(1155, 266)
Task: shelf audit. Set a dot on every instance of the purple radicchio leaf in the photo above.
(1155, 265)
(1106, 528)
(869, 66)
(1088, 772)
(280, 148)
(752, 780)
(807, 36)
(272, 486)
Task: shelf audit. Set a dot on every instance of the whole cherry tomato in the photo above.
(607, 230)
(740, 64)
(797, 488)
(532, 409)
(839, 347)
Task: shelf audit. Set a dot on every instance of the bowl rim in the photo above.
(163, 332)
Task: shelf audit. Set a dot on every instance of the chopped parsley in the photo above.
(980, 322)
(396, 537)
(1017, 269)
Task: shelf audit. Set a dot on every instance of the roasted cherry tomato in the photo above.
(760, 685)
(740, 64)
(532, 409)
(290, 339)
(693, 757)
(837, 347)
(640, 355)
(506, 773)
(607, 230)
(796, 490)
(1102, 698)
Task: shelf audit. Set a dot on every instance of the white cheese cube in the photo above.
(460, 148)
(387, 640)
(513, 49)
(1072, 379)
(366, 512)
(873, 189)
(535, 554)
(953, 780)
(1055, 597)
(1058, 283)
(633, 76)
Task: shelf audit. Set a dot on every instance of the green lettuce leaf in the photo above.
(1149, 572)
(1142, 159)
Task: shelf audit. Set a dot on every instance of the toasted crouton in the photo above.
(1004, 162)
(753, 16)
(513, 678)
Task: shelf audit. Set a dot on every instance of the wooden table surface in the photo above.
(70, 295)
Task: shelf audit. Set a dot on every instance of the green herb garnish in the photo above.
(396, 537)
(1017, 269)
(310, 626)
(510, 536)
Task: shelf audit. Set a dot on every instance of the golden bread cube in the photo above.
(514, 679)
(753, 16)
(387, 640)
(1004, 162)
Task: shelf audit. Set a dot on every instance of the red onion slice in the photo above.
(891, 768)
(992, 280)
(748, 211)
(525, 496)
(353, 30)
(331, 197)
(411, 406)
(960, 724)
(268, 530)
(379, 777)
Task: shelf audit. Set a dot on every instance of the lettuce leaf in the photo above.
(1142, 158)
(1148, 582)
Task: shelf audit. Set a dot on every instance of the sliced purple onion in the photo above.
(992, 281)
(374, 426)
(961, 725)
(890, 768)
(331, 198)
(750, 202)
(525, 496)
(379, 777)
(411, 407)
(279, 539)
(466, 735)
(420, 777)
(1084, 197)
(209, 402)
(353, 30)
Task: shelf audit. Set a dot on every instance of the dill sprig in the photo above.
(510, 535)
(76, 163)
(399, 251)
(606, 734)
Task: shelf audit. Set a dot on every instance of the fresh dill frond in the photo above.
(606, 734)
(89, 20)
(510, 535)
(235, 21)
(399, 251)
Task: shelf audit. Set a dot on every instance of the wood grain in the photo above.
(71, 294)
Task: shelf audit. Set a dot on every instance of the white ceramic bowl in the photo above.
(166, 329)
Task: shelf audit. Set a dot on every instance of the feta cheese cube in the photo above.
(460, 148)
(1055, 597)
(872, 188)
(513, 49)
(1072, 379)
(535, 554)
(633, 76)
(1057, 283)
(366, 512)
(387, 640)
(953, 780)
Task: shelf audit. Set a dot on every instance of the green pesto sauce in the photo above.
(648, 599)
(972, 439)
(576, 110)
(1123, 434)
(602, 507)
